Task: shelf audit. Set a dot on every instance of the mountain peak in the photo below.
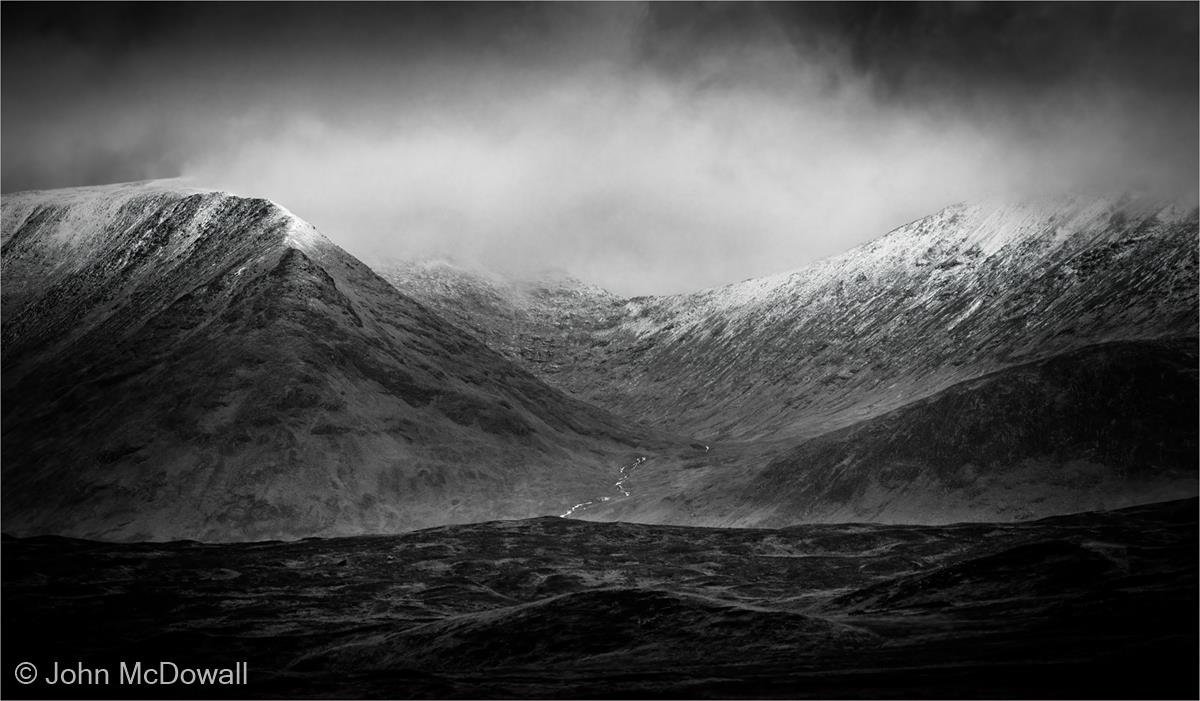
(196, 362)
(76, 216)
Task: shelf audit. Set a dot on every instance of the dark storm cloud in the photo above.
(1014, 47)
(647, 147)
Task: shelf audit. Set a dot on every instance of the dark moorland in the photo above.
(1094, 605)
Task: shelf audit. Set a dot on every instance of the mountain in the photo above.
(961, 293)
(950, 297)
(180, 363)
(537, 322)
(958, 367)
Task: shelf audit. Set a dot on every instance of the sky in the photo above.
(646, 147)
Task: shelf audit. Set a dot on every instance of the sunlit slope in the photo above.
(194, 364)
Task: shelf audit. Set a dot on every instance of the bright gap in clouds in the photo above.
(643, 185)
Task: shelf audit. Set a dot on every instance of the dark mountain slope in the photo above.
(194, 364)
(1103, 427)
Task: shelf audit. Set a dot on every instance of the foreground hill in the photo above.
(1095, 605)
(181, 363)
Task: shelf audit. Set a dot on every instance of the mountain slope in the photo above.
(183, 363)
(956, 295)
(537, 323)
(950, 297)
(1107, 426)
(918, 377)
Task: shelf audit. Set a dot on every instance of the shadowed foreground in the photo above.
(1091, 605)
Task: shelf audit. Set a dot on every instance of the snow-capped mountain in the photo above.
(878, 342)
(187, 363)
(946, 298)
(961, 293)
(181, 363)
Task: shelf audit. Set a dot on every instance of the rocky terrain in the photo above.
(182, 363)
(1095, 605)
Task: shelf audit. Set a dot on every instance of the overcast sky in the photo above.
(647, 148)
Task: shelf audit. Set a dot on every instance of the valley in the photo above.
(511, 350)
(956, 462)
(963, 364)
(950, 297)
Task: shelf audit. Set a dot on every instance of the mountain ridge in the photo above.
(187, 363)
(761, 368)
(206, 365)
(972, 269)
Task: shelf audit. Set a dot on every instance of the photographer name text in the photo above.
(134, 674)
